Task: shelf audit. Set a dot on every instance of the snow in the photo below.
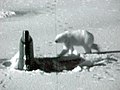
(4, 13)
(100, 17)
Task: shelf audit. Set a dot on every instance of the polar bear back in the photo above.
(80, 37)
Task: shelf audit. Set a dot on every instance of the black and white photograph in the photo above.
(59, 44)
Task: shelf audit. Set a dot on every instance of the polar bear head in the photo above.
(62, 37)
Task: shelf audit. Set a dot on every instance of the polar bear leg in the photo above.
(64, 51)
(71, 49)
(87, 49)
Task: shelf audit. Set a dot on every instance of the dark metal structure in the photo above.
(25, 49)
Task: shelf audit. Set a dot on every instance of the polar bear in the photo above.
(76, 38)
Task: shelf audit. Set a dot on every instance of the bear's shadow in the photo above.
(54, 64)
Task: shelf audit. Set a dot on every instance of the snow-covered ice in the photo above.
(45, 19)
